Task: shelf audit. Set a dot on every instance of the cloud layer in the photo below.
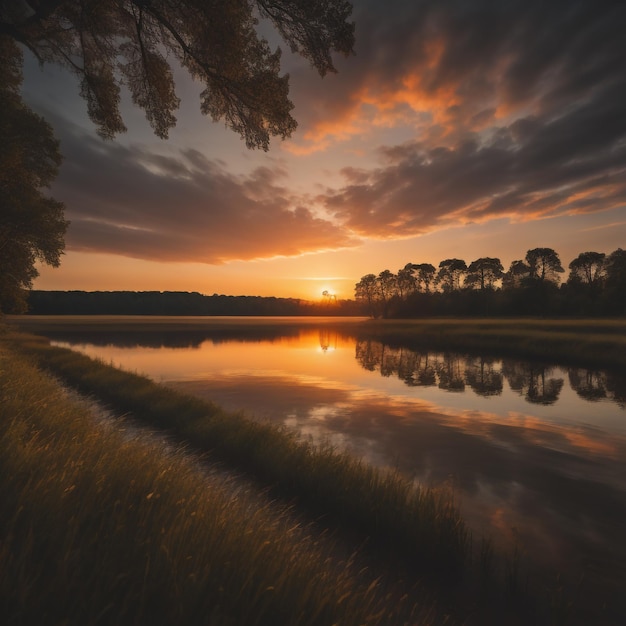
(497, 109)
(132, 202)
(510, 109)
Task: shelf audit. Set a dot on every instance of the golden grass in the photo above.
(419, 525)
(98, 526)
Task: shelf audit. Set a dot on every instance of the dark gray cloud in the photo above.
(131, 202)
(526, 103)
(509, 108)
(531, 169)
(470, 56)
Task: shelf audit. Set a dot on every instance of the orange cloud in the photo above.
(406, 104)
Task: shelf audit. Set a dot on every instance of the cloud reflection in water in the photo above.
(536, 453)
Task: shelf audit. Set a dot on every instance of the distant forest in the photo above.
(178, 303)
(595, 286)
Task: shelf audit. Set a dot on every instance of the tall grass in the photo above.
(419, 526)
(99, 527)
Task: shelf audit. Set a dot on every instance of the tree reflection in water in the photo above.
(533, 381)
(485, 376)
(451, 373)
(593, 385)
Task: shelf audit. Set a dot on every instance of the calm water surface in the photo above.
(535, 453)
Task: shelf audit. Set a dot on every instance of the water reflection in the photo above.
(557, 489)
(593, 385)
(537, 383)
(182, 339)
(535, 452)
(483, 376)
(328, 339)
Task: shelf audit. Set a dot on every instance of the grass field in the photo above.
(101, 523)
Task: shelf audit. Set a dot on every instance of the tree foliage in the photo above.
(596, 286)
(544, 265)
(483, 273)
(615, 289)
(450, 274)
(517, 273)
(425, 275)
(366, 291)
(587, 268)
(32, 226)
(406, 281)
(110, 43)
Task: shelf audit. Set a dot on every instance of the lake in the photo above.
(535, 453)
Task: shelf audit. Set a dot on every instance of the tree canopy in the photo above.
(110, 43)
(596, 286)
(450, 273)
(544, 264)
(113, 43)
(31, 225)
(587, 268)
(483, 273)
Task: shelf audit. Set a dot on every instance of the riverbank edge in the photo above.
(590, 342)
(99, 525)
(435, 541)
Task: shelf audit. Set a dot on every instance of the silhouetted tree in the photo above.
(518, 272)
(450, 273)
(544, 265)
(596, 286)
(587, 268)
(31, 224)
(387, 286)
(406, 282)
(585, 283)
(615, 283)
(366, 291)
(425, 275)
(483, 273)
(107, 43)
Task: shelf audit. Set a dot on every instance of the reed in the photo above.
(416, 525)
(102, 526)
(409, 532)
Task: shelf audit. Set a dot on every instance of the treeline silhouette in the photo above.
(178, 303)
(596, 286)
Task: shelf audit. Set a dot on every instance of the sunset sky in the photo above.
(459, 129)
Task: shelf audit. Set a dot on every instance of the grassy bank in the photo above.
(420, 526)
(98, 526)
(411, 532)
